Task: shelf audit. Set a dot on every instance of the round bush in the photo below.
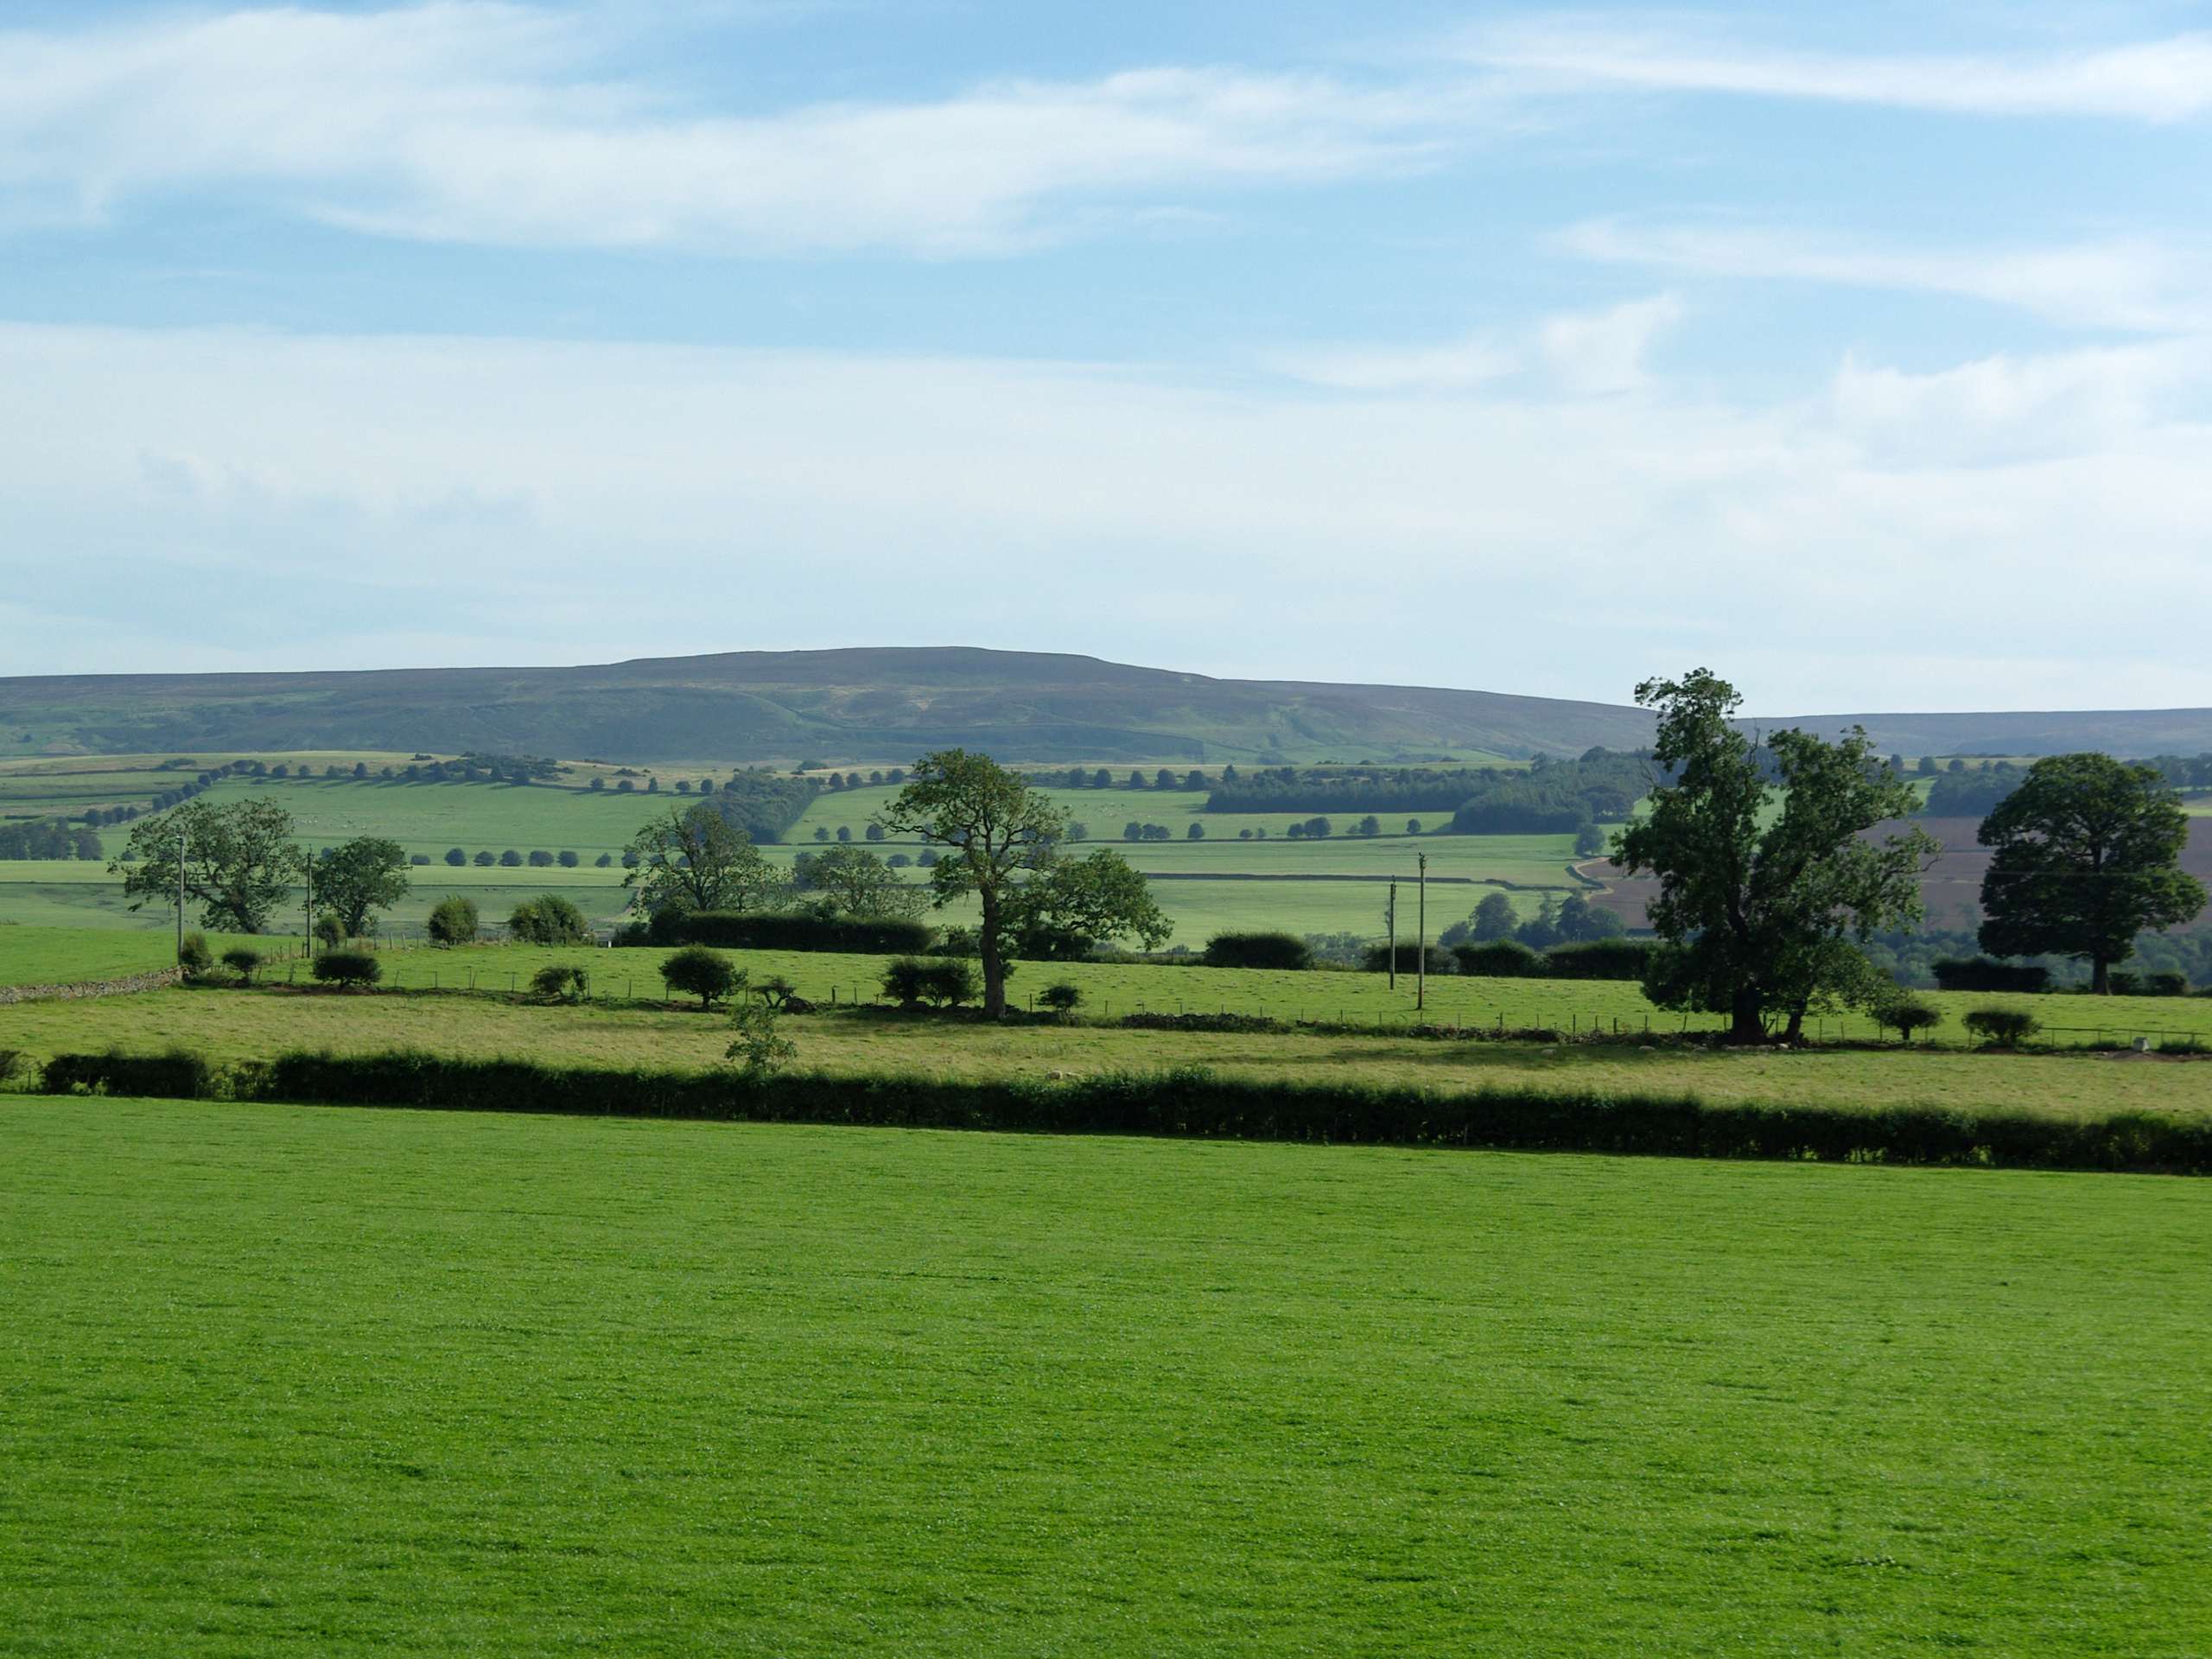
(941, 982)
(548, 920)
(194, 957)
(244, 962)
(2003, 1028)
(1907, 1015)
(562, 981)
(1060, 999)
(697, 971)
(348, 967)
(453, 921)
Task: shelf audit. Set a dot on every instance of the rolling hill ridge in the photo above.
(890, 704)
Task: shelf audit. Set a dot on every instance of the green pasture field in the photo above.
(66, 955)
(229, 1025)
(1114, 988)
(1103, 811)
(305, 1380)
(78, 892)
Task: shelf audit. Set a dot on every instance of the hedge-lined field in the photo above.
(232, 1026)
(60, 955)
(313, 1382)
(1114, 988)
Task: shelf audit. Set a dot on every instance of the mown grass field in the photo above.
(228, 1025)
(326, 1382)
(64, 955)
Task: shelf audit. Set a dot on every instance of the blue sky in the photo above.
(1862, 354)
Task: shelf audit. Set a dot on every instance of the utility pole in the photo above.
(310, 905)
(183, 845)
(1393, 932)
(1421, 997)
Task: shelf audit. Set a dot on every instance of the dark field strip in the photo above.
(291, 1382)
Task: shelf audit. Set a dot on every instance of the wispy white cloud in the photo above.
(474, 120)
(1583, 353)
(2132, 285)
(2161, 80)
(506, 488)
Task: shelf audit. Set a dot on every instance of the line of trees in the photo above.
(1763, 912)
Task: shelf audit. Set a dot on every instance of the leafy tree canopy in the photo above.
(358, 878)
(993, 827)
(2085, 857)
(690, 858)
(239, 861)
(1763, 916)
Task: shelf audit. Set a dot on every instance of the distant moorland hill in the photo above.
(890, 704)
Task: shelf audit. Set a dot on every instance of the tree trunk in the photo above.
(2099, 977)
(1795, 1034)
(1746, 1024)
(994, 963)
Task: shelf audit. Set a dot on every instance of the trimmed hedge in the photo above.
(1278, 951)
(1200, 1103)
(1599, 959)
(1499, 959)
(869, 936)
(1987, 974)
(1377, 959)
(178, 1075)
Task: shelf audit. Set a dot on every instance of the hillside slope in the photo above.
(887, 704)
(881, 704)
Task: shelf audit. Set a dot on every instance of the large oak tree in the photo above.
(2084, 857)
(1762, 912)
(993, 829)
(240, 861)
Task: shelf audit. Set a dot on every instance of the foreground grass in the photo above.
(233, 1025)
(301, 1381)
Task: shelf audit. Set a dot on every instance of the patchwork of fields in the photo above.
(1339, 885)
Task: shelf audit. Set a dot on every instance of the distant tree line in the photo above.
(49, 838)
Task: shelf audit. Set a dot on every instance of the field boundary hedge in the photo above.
(1186, 1102)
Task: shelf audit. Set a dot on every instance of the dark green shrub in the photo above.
(697, 971)
(562, 981)
(1500, 959)
(2003, 1028)
(1377, 959)
(2166, 984)
(1061, 1000)
(2120, 982)
(872, 935)
(178, 1075)
(1242, 1023)
(941, 982)
(453, 921)
(194, 957)
(510, 859)
(348, 967)
(1599, 959)
(1987, 974)
(778, 992)
(329, 929)
(547, 919)
(1278, 951)
(455, 857)
(244, 961)
(1905, 1014)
